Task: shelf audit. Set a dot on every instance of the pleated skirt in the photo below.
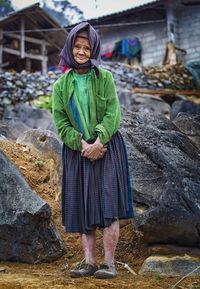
(95, 193)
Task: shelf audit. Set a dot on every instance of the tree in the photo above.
(5, 7)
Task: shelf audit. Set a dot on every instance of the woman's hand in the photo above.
(93, 151)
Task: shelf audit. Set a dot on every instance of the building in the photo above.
(30, 39)
(155, 24)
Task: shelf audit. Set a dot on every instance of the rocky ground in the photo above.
(131, 248)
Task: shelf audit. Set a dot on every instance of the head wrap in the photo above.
(66, 55)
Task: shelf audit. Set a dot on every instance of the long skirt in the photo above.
(95, 193)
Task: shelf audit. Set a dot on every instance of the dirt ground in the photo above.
(131, 249)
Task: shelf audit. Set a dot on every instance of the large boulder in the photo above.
(165, 168)
(184, 106)
(12, 129)
(30, 116)
(45, 142)
(26, 228)
(143, 102)
(190, 125)
(171, 266)
(48, 146)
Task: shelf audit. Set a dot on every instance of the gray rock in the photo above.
(48, 146)
(148, 103)
(30, 116)
(190, 125)
(26, 229)
(170, 266)
(165, 178)
(46, 142)
(7, 131)
(184, 106)
(12, 129)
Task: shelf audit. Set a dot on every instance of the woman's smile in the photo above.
(81, 50)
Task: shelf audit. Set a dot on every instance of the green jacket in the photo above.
(104, 109)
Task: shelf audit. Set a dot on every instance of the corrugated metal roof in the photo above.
(124, 12)
(141, 6)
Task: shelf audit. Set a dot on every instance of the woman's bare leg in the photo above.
(110, 240)
(88, 242)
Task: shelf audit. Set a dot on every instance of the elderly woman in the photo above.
(95, 183)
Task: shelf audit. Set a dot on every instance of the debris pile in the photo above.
(25, 87)
(168, 76)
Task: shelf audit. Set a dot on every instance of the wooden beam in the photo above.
(4, 64)
(34, 56)
(165, 91)
(45, 59)
(28, 55)
(11, 51)
(22, 42)
(28, 64)
(27, 38)
(1, 49)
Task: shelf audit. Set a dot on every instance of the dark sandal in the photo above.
(84, 271)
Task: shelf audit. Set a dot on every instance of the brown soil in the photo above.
(55, 275)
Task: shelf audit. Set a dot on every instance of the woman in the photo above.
(95, 183)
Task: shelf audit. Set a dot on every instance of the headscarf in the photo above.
(66, 55)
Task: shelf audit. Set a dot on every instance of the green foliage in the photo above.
(5, 7)
(158, 276)
(45, 102)
(39, 163)
(70, 255)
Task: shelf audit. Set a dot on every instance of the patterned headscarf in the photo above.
(66, 55)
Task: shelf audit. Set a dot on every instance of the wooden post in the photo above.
(44, 59)
(28, 64)
(1, 48)
(22, 44)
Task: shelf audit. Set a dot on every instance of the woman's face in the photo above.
(81, 50)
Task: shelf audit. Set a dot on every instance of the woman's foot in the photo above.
(106, 271)
(84, 270)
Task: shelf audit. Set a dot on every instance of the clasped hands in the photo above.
(93, 151)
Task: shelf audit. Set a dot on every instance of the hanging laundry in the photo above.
(123, 48)
(130, 47)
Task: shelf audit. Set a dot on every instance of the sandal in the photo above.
(84, 271)
(106, 271)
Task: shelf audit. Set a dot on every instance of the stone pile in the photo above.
(174, 77)
(25, 87)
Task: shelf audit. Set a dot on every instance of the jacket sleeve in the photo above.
(69, 136)
(111, 120)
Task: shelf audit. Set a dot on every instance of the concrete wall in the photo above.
(153, 38)
(189, 32)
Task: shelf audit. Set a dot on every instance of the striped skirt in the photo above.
(94, 194)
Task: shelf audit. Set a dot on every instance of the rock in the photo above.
(147, 103)
(47, 145)
(12, 129)
(170, 266)
(184, 106)
(30, 116)
(26, 228)
(6, 131)
(165, 171)
(46, 142)
(189, 125)
(165, 249)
